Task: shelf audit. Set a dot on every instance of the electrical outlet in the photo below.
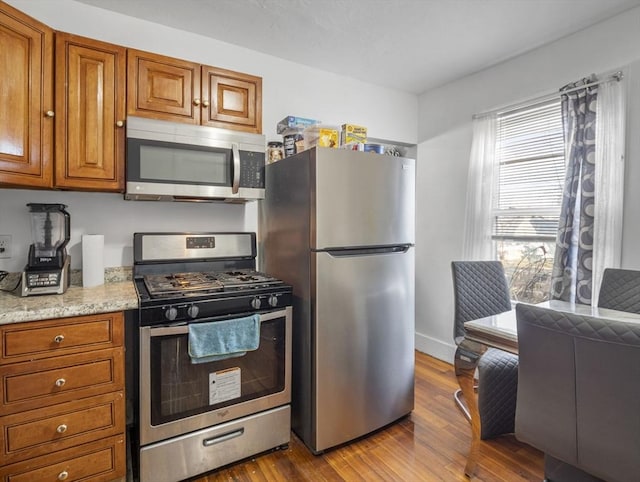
(5, 246)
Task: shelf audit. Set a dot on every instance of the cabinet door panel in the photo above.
(31, 385)
(235, 100)
(100, 461)
(162, 87)
(37, 432)
(90, 100)
(26, 94)
(50, 338)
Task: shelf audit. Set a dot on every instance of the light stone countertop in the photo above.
(117, 295)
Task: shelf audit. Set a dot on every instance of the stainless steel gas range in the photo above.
(194, 417)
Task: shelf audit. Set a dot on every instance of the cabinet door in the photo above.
(26, 100)
(232, 100)
(90, 106)
(162, 87)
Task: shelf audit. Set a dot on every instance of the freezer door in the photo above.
(362, 199)
(364, 344)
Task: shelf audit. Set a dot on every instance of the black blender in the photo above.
(47, 271)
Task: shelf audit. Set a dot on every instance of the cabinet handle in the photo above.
(205, 103)
(120, 123)
(62, 428)
(196, 101)
(50, 113)
(60, 382)
(63, 475)
(59, 339)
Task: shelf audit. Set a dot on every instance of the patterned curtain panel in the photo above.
(572, 267)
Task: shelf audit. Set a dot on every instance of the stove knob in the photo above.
(193, 311)
(256, 303)
(171, 313)
(273, 300)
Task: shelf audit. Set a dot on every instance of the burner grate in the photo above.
(182, 284)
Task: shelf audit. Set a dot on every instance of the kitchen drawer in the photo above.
(38, 432)
(31, 385)
(43, 339)
(100, 461)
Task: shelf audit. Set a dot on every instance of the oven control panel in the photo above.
(176, 311)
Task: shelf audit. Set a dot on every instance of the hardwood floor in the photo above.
(430, 444)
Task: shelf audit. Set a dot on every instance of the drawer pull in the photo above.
(60, 382)
(208, 442)
(62, 428)
(59, 339)
(63, 475)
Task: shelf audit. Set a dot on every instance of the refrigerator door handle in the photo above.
(344, 252)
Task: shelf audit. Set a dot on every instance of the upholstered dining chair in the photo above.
(578, 395)
(480, 290)
(620, 290)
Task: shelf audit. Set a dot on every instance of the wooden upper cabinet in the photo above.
(26, 100)
(166, 88)
(235, 100)
(163, 87)
(90, 114)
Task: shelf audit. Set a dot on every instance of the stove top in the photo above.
(191, 277)
(191, 283)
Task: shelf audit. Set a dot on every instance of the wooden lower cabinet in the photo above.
(62, 401)
(99, 461)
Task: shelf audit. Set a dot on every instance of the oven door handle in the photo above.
(208, 442)
(184, 329)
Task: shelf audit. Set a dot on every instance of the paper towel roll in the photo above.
(92, 260)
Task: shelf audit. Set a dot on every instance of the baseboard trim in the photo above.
(435, 348)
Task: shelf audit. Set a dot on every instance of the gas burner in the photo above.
(186, 284)
(180, 284)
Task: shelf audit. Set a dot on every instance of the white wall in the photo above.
(288, 89)
(444, 136)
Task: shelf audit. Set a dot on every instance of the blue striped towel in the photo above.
(218, 340)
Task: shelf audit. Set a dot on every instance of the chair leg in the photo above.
(463, 408)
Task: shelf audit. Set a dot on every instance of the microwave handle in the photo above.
(236, 168)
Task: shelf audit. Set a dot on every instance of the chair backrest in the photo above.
(479, 289)
(578, 395)
(620, 290)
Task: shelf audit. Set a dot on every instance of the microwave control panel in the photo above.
(252, 169)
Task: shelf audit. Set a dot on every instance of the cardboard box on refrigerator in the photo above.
(352, 133)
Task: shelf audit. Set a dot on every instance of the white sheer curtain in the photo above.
(478, 223)
(609, 180)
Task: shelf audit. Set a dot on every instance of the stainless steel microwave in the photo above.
(169, 161)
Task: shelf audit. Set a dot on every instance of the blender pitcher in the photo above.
(50, 232)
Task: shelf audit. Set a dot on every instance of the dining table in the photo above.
(500, 331)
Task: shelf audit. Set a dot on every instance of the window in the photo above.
(528, 196)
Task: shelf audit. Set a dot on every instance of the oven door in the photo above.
(177, 397)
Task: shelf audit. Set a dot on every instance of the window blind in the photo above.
(531, 169)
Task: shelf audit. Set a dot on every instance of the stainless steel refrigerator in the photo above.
(339, 226)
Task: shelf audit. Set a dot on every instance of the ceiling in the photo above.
(411, 45)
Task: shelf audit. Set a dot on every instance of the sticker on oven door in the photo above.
(224, 385)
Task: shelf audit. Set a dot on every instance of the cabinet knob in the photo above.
(120, 123)
(59, 339)
(63, 475)
(196, 101)
(62, 428)
(50, 113)
(205, 103)
(60, 382)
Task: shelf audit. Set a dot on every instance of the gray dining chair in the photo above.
(578, 395)
(620, 290)
(480, 290)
